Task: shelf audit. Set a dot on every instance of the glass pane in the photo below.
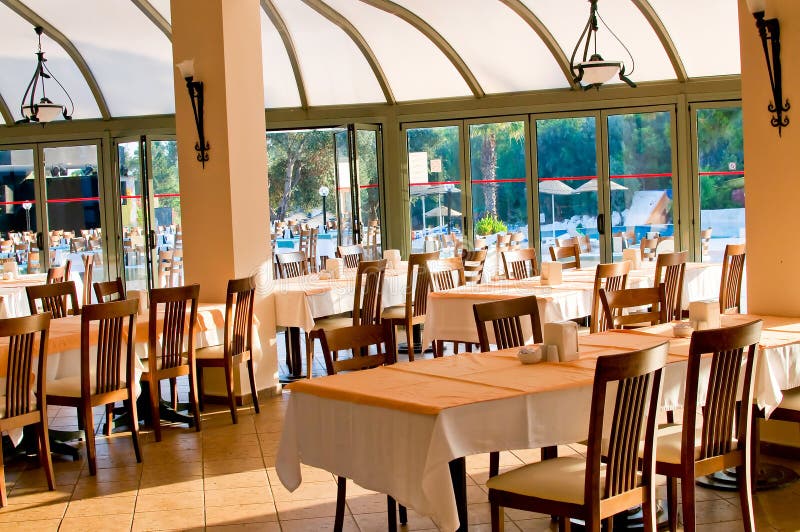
(369, 194)
(434, 171)
(166, 209)
(73, 206)
(18, 209)
(640, 158)
(132, 212)
(567, 161)
(280, 87)
(721, 163)
(499, 188)
(343, 189)
(300, 162)
(501, 49)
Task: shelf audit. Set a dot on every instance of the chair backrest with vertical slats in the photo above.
(88, 273)
(617, 301)
(239, 315)
(59, 274)
(369, 291)
(570, 252)
(503, 243)
(637, 377)
(57, 298)
(292, 264)
(520, 264)
(446, 273)
(176, 327)
(611, 276)
(113, 351)
(109, 290)
(647, 247)
(358, 339)
(728, 347)
(670, 269)
(516, 240)
(507, 326)
(730, 287)
(352, 255)
(474, 262)
(27, 340)
(418, 283)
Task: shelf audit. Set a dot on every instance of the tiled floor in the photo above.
(224, 478)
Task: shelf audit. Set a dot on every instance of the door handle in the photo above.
(601, 224)
(40, 240)
(152, 239)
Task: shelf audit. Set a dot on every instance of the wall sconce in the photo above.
(770, 31)
(196, 95)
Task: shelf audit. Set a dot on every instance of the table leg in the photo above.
(297, 354)
(458, 473)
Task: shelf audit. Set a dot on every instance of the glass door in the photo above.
(149, 212)
(19, 210)
(344, 190)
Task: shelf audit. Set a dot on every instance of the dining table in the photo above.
(14, 299)
(299, 301)
(568, 300)
(405, 429)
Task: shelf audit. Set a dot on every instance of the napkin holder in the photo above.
(335, 267)
(634, 255)
(531, 354)
(563, 335)
(704, 315)
(392, 257)
(551, 273)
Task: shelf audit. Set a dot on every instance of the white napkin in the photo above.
(704, 315)
(563, 335)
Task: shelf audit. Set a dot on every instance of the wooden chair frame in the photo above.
(670, 270)
(352, 255)
(88, 274)
(520, 264)
(292, 264)
(612, 276)
(474, 262)
(730, 287)
(59, 274)
(56, 298)
(109, 289)
(567, 252)
(647, 248)
(615, 302)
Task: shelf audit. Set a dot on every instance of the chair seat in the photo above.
(212, 351)
(394, 313)
(560, 479)
(326, 324)
(159, 363)
(668, 446)
(71, 386)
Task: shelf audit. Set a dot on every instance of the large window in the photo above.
(720, 164)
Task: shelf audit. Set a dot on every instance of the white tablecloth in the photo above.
(14, 298)
(449, 314)
(298, 301)
(406, 454)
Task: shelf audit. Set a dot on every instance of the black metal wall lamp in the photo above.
(196, 95)
(769, 30)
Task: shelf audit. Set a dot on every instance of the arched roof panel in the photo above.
(334, 69)
(708, 38)
(566, 19)
(128, 55)
(503, 52)
(415, 67)
(18, 61)
(162, 6)
(280, 87)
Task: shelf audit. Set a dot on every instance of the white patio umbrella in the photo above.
(591, 186)
(554, 187)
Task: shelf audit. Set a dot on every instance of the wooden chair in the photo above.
(292, 264)
(474, 261)
(164, 268)
(446, 273)
(730, 287)
(59, 298)
(313, 239)
(59, 274)
(20, 407)
(352, 255)
(110, 290)
(520, 264)
(722, 439)
(88, 273)
(610, 479)
(107, 370)
(506, 317)
(647, 247)
(480, 243)
(670, 269)
(176, 273)
(358, 339)
(705, 243)
(617, 301)
(516, 241)
(166, 356)
(573, 252)
(237, 343)
(413, 312)
(77, 245)
(366, 306)
(34, 262)
(612, 276)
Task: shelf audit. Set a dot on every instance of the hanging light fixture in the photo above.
(43, 110)
(593, 70)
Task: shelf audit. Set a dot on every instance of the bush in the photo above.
(489, 225)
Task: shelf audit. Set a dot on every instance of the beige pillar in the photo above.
(225, 206)
(772, 185)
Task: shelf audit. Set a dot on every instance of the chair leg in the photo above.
(497, 517)
(173, 392)
(309, 355)
(409, 342)
(200, 389)
(229, 386)
(391, 512)
(253, 389)
(155, 411)
(109, 418)
(131, 406)
(341, 492)
(648, 510)
(743, 473)
(44, 454)
(288, 350)
(403, 514)
(193, 397)
(494, 463)
(3, 495)
(88, 420)
(564, 524)
(672, 503)
(687, 493)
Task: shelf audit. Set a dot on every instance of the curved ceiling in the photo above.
(334, 52)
